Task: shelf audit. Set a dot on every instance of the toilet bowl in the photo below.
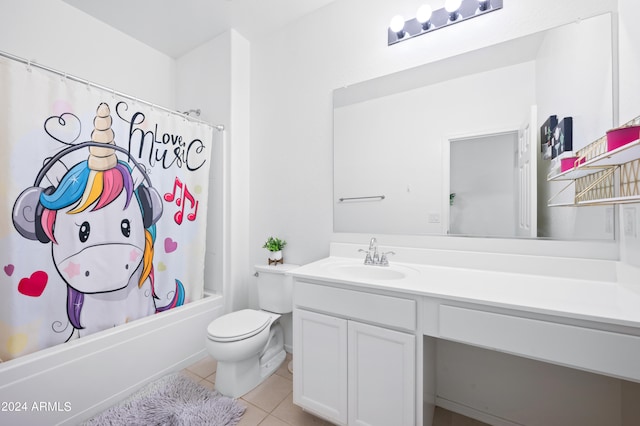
(249, 344)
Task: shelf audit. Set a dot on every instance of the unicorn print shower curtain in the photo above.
(103, 217)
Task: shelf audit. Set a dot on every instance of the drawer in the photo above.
(610, 353)
(389, 311)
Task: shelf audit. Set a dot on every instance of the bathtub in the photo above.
(69, 383)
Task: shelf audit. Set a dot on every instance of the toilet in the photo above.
(249, 344)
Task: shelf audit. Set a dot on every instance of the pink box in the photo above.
(569, 163)
(622, 136)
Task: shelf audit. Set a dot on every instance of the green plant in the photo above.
(274, 244)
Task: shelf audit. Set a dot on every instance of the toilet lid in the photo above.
(238, 325)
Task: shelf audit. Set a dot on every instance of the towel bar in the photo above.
(381, 197)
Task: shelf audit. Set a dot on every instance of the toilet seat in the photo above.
(238, 325)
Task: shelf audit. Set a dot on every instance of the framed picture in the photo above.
(563, 137)
(546, 137)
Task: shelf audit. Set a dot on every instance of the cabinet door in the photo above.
(320, 365)
(527, 224)
(381, 376)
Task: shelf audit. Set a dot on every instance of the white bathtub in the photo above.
(69, 383)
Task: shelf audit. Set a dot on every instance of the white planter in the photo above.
(275, 255)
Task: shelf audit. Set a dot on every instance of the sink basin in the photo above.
(369, 272)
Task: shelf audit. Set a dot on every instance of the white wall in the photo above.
(61, 37)
(240, 170)
(214, 78)
(293, 74)
(583, 91)
(629, 40)
(570, 57)
(629, 60)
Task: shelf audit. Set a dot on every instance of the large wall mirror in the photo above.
(437, 149)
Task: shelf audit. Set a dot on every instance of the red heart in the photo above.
(34, 285)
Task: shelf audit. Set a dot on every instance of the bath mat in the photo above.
(172, 400)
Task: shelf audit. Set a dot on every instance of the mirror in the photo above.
(394, 137)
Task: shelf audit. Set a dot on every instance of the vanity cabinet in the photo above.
(320, 364)
(381, 375)
(350, 367)
(374, 349)
(580, 346)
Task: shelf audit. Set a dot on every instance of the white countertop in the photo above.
(605, 302)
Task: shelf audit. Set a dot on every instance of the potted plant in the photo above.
(275, 246)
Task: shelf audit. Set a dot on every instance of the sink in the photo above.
(369, 272)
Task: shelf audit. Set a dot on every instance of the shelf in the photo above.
(621, 155)
(590, 189)
(563, 205)
(602, 202)
(576, 173)
(609, 178)
(610, 201)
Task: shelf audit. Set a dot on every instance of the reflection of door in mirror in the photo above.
(492, 183)
(483, 178)
(527, 193)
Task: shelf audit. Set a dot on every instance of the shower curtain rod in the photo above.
(29, 64)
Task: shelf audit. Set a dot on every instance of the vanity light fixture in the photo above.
(428, 20)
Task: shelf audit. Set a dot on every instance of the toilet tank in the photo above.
(275, 289)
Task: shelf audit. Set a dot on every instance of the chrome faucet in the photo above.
(372, 256)
(373, 246)
(384, 258)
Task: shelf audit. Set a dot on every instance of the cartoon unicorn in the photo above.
(101, 224)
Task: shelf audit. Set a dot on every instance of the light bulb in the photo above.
(424, 14)
(452, 6)
(483, 5)
(397, 24)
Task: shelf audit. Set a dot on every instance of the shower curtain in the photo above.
(103, 209)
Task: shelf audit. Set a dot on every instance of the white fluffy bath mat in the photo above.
(172, 400)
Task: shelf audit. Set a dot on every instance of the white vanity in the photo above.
(356, 353)
(365, 336)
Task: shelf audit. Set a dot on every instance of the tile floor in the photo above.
(271, 403)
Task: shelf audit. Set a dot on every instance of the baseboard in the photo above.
(473, 413)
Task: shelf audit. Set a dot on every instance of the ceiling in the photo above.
(176, 27)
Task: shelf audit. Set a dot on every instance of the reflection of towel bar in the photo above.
(361, 198)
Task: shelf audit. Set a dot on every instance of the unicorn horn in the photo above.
(101, 159)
